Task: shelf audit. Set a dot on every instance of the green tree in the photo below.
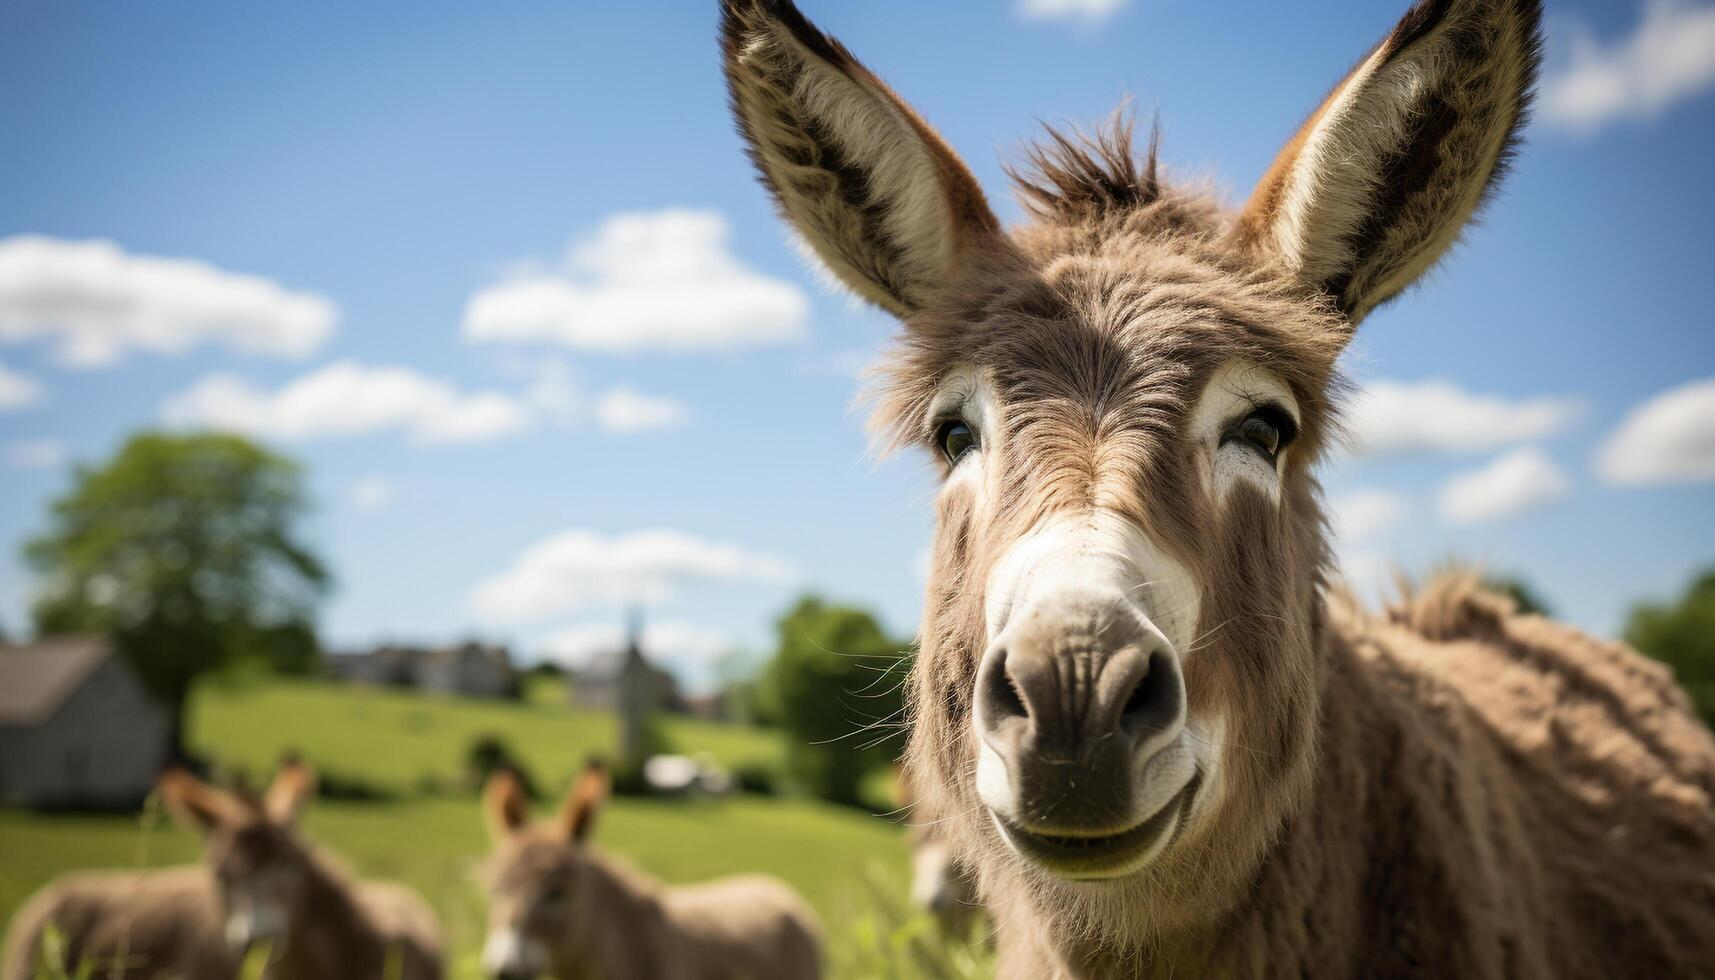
(183, 548)
(834, 685)
(1682, 635)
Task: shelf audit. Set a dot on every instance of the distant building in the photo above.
(385, 666)
(77, 727)
(713, 706)
(469, 669)
(600, 683)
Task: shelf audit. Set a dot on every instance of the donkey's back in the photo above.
(1583, 769)
(746, 926)
(130, 925)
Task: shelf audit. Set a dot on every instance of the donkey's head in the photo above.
(1117, 689)
(261, 867)
(540, 909)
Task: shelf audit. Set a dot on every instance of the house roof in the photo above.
(36, 679)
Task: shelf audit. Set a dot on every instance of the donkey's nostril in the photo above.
(1154, 702)
(1001, 699)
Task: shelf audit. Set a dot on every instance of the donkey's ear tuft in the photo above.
(294, 783)
(584, 801)
(878, 196)
(1380, 181)
(505, 807)
(195, 803)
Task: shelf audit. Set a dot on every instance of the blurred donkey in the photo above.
(558, 908)
(261, 885)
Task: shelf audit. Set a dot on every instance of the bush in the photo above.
(835, 686)
(756, 778)
(488, 754)
(333, 785)
(628, 780)
(1682, 635)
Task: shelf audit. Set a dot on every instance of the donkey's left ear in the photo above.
(1377, 185)
(293, 785)
(577, 816)
(875, 192)
(198, 805)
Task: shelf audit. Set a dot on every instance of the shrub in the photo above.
(488, 754)
(1681, 634)
(757, 778)
(334, 785)
(835, 686)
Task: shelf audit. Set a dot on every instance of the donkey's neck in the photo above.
(628, 932)
(331, 936)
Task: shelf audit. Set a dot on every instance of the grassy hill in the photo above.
(397, 740)
(850, 866)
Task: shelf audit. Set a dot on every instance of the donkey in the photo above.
(164, 923)
(558, 908)
(275, 888)
(1166, 745)
(261, 884)
(941, 884)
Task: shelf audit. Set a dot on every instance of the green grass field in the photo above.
(396, 739)
(850, 866)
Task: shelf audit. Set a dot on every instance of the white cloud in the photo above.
(553, 393)
(1363, 514)
(577, 568)
(36, 454)
(1393, 417)
(17, 390)
(98, 303)
(349, 399)
(371, 493)
(1090, 11)
(1522, 480)
(675, 641)
(1670, 438)
(660, 280)
(1671, 57)
(626, 411)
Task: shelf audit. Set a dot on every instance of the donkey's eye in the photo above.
(1267, 430)
(554, 894)
(955, 439)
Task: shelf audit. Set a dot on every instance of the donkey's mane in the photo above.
(1074, 174)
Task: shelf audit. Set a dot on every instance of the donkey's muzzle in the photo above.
(1081, 701)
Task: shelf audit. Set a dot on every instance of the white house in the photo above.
(77, 727)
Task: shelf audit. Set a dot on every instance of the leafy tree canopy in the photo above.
(835, 687)
(1681, 634)
(184, 548)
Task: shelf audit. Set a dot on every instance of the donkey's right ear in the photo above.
(195, 803)
(505, 808)
(294, 783)
(874, 191)
(577, 815)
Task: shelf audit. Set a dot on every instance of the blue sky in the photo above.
(501, 276)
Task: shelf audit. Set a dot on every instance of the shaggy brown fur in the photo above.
(179, 922)
(1449, 790)
(558, 907)
(161, 923)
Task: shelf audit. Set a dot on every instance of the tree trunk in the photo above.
(177, 751)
